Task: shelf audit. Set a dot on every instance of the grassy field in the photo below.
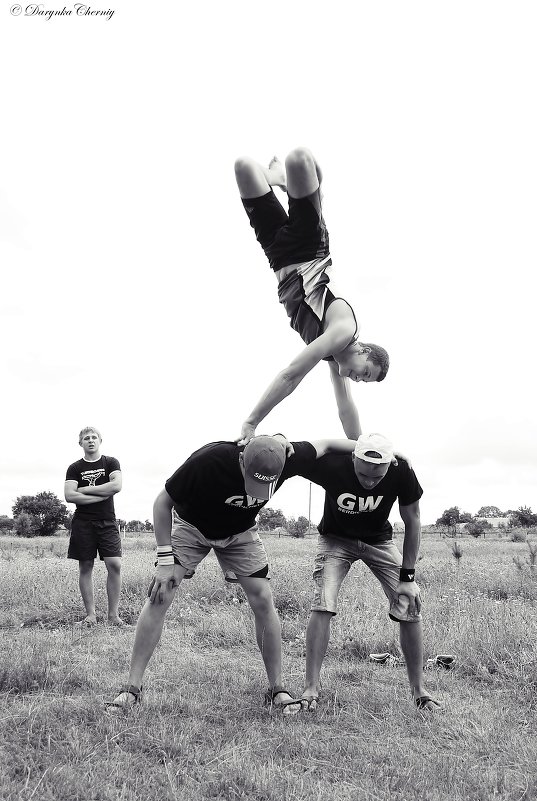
(202, 731)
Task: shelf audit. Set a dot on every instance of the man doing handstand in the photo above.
(297, 247)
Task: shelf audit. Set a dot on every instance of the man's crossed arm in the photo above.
(82, 496)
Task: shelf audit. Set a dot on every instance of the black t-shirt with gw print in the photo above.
(89, 474)
(350, 510)
(208, 491)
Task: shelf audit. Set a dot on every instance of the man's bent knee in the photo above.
(300, 158)
(244, 166)
(259, 593)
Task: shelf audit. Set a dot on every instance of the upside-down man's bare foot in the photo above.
(276, 174)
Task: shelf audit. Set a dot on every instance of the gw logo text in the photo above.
(244, 500)
(347, 503)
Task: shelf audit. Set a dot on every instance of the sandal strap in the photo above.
(132, 689)
(424, 699)
(273, 691)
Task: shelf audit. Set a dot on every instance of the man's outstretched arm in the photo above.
(287, 380)
(348, 412)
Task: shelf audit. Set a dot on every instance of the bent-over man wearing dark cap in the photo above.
(211, 502)
(360, 491)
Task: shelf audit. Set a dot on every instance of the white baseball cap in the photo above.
(374, 448)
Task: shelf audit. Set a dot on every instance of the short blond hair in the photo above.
(87, 430)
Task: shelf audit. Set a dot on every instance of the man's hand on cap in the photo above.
(289, 450)
(397, 455)
(247, 432)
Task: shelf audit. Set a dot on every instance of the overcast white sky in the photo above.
(134, 295)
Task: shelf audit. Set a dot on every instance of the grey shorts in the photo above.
(241, 555)
(333, 561)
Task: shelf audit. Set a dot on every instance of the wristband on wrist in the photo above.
(164, 561)
(164, 555)
(407, 575)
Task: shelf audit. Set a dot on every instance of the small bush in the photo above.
(25, 525)
(519, 534)
(456, 550)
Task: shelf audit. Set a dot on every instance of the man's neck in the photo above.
(92, 457)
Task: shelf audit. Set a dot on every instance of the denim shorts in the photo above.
(333, 561)
(241, 555)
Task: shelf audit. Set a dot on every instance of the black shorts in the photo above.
(89, 537)
(290, 238)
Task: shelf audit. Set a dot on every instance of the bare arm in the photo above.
(162, 518)
(165, 578)
(72, 495)
(332, 341)
(348, 413)
(111, 487)
(411, 518)
(411, 545)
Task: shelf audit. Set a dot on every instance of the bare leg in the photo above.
(113, 588)
(254, 180)
(85, 582)
(269, 635)
(148, 632)
(411, 635)
(317, 638)
(303, 173)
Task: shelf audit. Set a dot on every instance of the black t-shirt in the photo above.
(350, 511)
(208, 490)
(89, 474)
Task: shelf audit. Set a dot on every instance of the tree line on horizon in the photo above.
(43, 514)
(478, 524)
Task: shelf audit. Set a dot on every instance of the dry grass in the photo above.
(202, 732)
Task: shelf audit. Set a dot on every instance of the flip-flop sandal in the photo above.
(308, 700)
(272, 692)
(423, 700)
(130, 689)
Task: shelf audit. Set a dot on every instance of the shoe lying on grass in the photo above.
(386, 658)
(445, 661)
(128, 696)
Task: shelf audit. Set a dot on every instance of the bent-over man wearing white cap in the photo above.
(360, 492)
(211, 503)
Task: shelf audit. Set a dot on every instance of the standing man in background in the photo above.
(91, 483)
